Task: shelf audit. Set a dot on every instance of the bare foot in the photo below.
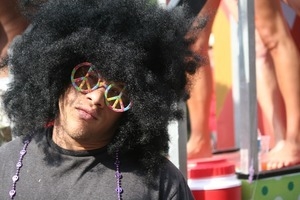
(284, 154)
(198, 148)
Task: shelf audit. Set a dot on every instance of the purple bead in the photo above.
(26, 141)
(12, 193)
(119, 190)
(15, 178)
(19, 164)
(22, 152)
(118, 175)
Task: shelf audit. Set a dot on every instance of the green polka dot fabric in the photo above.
(284, 187)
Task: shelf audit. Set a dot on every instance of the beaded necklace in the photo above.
(15, 178)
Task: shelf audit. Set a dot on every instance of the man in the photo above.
(94, 86)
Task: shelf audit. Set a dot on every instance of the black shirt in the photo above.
(50, 172)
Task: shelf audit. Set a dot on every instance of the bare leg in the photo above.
(275, 35)
(268, 93)
(13, 23)
(199, 145)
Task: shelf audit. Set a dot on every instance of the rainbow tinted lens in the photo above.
(117, 98)
(85, 79)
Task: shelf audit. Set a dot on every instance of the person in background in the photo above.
(277, 61)
(275, 35)
(277, 73)
(95, 85)
(12, 23)
(199, 143)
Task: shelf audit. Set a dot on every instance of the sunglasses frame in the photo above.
(100, 83)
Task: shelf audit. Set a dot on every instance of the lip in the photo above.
(87, 113)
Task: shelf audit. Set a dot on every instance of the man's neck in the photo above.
(62, 139)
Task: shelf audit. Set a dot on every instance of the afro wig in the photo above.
(131, 41)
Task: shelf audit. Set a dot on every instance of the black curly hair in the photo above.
(131, 41)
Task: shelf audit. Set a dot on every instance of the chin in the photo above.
(79, 132)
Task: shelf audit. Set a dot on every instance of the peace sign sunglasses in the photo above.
(85, 78)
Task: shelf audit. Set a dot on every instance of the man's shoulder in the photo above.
(170, 168)
(174, 182)
(13, 143)
(10, 146)
(171, 173)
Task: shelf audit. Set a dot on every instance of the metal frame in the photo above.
(244, 89)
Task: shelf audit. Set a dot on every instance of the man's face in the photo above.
(90, 109)
(85, 117)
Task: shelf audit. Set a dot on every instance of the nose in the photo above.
(96, 97)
